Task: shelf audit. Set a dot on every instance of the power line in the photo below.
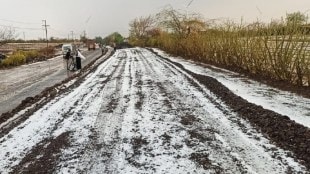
(189, 3)
(19, 22)
(63, 33)
(260, 12)
(88, 19)
(25, 28)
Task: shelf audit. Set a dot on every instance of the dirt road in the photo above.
(139, 113)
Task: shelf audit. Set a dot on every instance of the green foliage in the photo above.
(113, 38)
(99, 40)
(297, 18)
(15, 59)
(23, 57)
(32, 54)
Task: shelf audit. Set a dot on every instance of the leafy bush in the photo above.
(31, 56)
(23, 57)
(15, 59)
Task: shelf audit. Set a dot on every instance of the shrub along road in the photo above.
(137, 112)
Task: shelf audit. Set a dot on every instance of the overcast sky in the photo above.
(102, 17)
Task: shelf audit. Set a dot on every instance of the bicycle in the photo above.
(71, 64)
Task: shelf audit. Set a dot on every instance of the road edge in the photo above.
(32, 104)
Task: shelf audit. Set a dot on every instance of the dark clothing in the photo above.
(68, 54)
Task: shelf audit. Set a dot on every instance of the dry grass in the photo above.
(23, 57)
(280, 51)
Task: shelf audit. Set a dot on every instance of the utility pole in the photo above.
(72, 33)
(45, 26)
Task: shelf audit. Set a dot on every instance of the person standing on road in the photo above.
(68, 54)
(66, 57)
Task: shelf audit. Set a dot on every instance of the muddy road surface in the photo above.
(139, 113)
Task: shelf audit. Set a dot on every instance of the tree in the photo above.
(181, 24)
(113, 38)
(6, 34)
(139, 27)
(172, 20)
(83, 39)
(297, 18)
(99, 39)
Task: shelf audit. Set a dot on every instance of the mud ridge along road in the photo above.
(137, 112)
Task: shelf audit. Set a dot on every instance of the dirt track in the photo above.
(140, 113)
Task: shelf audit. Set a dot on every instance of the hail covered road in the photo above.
(139, 113)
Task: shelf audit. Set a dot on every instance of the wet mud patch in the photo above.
(201, 135)
(189, 120)
(112, 105)
(139, 103)
(138, 84)
(198, 136)
(137, 145)
(164, 93)
(43, 158)
(166, 139)
(202, 159)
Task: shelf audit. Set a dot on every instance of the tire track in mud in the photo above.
(141, 143)
(210, 96)
(132, 97)
(82, 151)
(105, 140)
(282, 131)
(184, 114)
(249, 130)
(137, 142)
(147, 115)
(199, 133)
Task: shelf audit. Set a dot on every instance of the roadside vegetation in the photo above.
(20, 57)
(278, 50)
(24, 57)
(113, 38)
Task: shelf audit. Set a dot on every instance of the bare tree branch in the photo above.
(6, 34)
